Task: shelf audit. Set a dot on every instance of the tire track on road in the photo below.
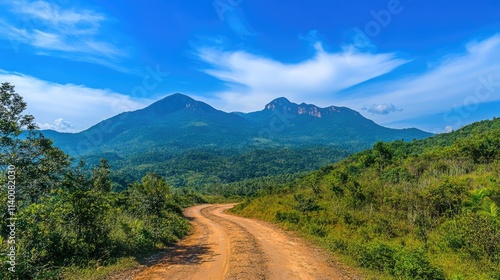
(246, 259)
(229, 247)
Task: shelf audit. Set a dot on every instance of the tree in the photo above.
(39, 165)
(101, 180)
(152, 196)
(11, 120)
(38, 169)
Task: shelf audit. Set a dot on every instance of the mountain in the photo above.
(178, 135)
(182, 123)
(306, 124)
(177, 122)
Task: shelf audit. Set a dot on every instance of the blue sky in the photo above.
(434, 65)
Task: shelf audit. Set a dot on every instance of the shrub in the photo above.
(446, 199)
(415, 265)
(398, 262)
(316, 230)
(305, 204)
(291, 217)
(475, 234)
(377, 256)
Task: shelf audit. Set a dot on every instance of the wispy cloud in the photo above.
(69, 107)
(460, 80)
(451, 88)
(81, 22)
(253, 79)
(75, 34)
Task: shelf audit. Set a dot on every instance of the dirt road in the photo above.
(225, 246)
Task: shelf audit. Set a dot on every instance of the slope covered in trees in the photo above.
(178, 123)
(203, 169)
(193, 144)
(427, 209)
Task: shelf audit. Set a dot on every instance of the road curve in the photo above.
(225, 246)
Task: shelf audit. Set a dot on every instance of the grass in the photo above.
(100, 272)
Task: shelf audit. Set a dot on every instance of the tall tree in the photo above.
(38, 164)
(101, 180)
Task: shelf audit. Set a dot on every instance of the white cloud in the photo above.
(255, 79)
(73, 107)
(448, 129)
(64, 32)
(381, 109)
(58, 125)
(465, 79)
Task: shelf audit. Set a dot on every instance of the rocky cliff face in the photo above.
(284, 105)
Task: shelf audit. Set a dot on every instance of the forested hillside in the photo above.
(427, 209)
(193, 144)
(203, 169)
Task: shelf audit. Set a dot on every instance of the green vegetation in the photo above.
(206, 171)
(83, 224)
(427, 209)
(194, 145)
(250, 187)
(68, 217)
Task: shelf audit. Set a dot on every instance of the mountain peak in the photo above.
(284, 105)
(178, 98)
(176, 102)
(279, 102)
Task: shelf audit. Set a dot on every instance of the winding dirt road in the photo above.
(225, 246)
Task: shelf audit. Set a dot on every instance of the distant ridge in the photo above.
(178, 123)
(283, 104)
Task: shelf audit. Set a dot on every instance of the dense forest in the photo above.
(57, 217)
(200, 170)
(427, 209)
